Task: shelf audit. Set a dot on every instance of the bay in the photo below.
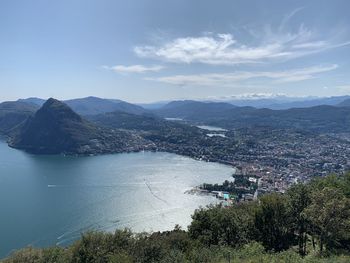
(51, 200)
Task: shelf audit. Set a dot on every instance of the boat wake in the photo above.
(151, 191)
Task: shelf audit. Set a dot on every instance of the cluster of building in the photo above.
(281, 158)
(277, 157)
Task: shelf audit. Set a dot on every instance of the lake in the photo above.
(211, 128)
(48, 200)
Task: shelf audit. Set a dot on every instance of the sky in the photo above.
(156, 50)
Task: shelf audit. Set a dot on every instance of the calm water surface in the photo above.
(48, 200)
(211, 128)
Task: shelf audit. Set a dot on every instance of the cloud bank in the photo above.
(233, 78)
(225, 49)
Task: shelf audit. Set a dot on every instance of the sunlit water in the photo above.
(211, 128)
(48, 200)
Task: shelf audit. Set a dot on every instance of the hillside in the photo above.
(123, 120)
(167, 135)
(344, 103)
(284, 102)
(13, 113)
(318, 119)
(330, 101)
(33, 100)
(55, 128)
(94, 105)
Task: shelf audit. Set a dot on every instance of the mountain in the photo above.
(56, 128)
(189, 109)
(281, 102)
(94, 105)
(33, 100)
(331, 101)
(148, 126)
(344, 103)
(322, 118)
(128, 121)
(170, 136)
(12, 113)
(317, 119)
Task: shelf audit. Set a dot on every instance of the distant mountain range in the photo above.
(61, 124)
(274, 102)
(344, 103)
(94, 105)
(56, 129)
(319, 118)
(283, 103)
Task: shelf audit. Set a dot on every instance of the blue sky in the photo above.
(151, 50)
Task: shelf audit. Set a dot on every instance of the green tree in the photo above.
(299, 198)
(273, 222)
(216, 225)
(329, 214)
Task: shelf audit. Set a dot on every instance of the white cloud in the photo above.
(134, 68)
(224, 49)
(233, 78)
(251, 96)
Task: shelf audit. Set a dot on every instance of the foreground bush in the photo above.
(249, 253)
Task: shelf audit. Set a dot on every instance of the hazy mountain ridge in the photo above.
(322, 118)
(284, 103)
(93, 105)
(12, 113)
(271, 102)
(33, 100)
(344, 103)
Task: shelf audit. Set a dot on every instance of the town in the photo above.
(277, 158)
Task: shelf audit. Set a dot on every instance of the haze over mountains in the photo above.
(288, 103)
(115, 125)
(270, 102)
(93, 105)
(13, 113)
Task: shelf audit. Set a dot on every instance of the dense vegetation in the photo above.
(310, 223)
(236, 188)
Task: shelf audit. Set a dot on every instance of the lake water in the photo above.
(216, 134)
(48, 200)
(211, 128)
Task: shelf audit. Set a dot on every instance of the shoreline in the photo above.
(72, 154)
